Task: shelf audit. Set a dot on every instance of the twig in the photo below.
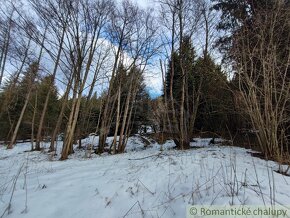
(128, 210)
(258, 183)
(142, 211)
(152, 193)
(8, 208)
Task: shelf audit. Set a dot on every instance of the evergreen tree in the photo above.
(15, 100)
(9, 107)
(206, 78)
(216, 102)
(142, 109)
(53, 104)
(187, 53)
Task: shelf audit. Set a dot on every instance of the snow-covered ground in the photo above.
(139, 183)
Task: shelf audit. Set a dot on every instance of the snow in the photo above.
(139, 183)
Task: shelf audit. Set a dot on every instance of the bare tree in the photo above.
(102, 56)
(263, 74)
(120, 30)
(83, 36)
(184, 17)
(135, 46)
(56, 130)
(55, 15)
(6, 29)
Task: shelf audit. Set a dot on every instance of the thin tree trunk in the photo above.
(182, 134)
(86, 109)
(175, 123)
(14, 136)
(44, 110)
(59, 119)
(117, 120)
(120, 145)
(128, 124)
(33, 123)
(104, 124)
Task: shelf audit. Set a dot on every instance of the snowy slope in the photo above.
(139, 183)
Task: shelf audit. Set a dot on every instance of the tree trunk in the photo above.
(44, 110)
(118, 120)
(14, 136)
(120, 145)
(104, 124)
(59, 119)
(33, 123)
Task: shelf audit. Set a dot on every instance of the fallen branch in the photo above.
(146, 141)
(152, 193)
(154, 155)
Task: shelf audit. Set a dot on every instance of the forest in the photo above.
(94, 75)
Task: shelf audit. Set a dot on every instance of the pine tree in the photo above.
(9, 107)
